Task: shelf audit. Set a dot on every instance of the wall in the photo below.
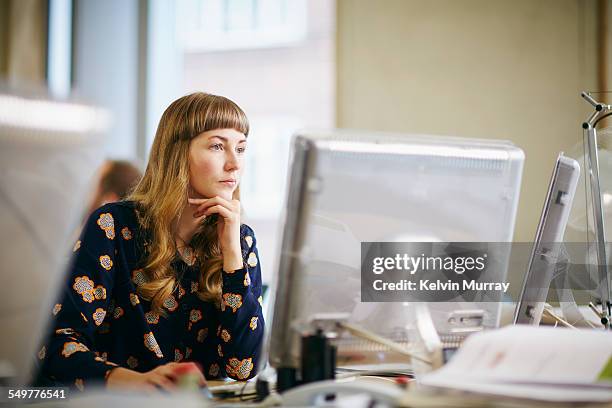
(474, 68)
(23, 47)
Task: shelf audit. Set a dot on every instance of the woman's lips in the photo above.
(228, 183)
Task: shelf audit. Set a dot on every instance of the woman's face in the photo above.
(216, 159)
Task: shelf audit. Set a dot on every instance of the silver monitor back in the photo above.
(48, 153)
(548, 241)
(347, 187)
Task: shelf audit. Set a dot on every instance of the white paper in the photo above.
(530, 362)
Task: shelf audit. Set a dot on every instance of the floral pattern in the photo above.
(126, 233)
(240, 369)
(152, 317)
(170, 303)
(72, 347)
(98, 316)
(232, 300)
(100, 292)
(106, 262)
(151, 344)
(253, 323)
(57, 308)
(202, 334)
(84, 287)
(107, 224)
(189, 255)
(213, 371)
(195, 315)
(138, 277)
(118, 312)
(225, 336)
(252, 260)
(132, 362)
(134, 299)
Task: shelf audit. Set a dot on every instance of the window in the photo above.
(274, 58)
(209, 25)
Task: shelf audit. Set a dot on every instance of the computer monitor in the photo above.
(49, 151)
(349, 187)
(548, 241)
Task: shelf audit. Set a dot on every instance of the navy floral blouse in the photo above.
(101, 323)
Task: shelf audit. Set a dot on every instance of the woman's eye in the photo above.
(241, 149)
(217, 146)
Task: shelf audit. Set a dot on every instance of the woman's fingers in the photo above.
(197, 201)
(222, 211)
(199, 371)
(202, 380)
(201, 204)
(232, 206)
(164, 377)
(163, 382)
(212, 201)
(169, 370)
(192, 368)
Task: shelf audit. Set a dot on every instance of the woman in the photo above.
(170, 275)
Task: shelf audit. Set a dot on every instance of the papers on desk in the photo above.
(381, 369)
(538, 363)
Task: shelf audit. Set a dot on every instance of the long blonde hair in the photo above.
(162, 194)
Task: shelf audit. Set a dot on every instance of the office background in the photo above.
(472, 68)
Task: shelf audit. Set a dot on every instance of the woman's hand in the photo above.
(228, 227)
(162, 377)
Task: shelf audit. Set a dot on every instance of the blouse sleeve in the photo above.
(70, 357)
(242, 325)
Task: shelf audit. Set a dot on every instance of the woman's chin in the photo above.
(226, 194)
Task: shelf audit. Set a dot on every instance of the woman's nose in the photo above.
(232, 162)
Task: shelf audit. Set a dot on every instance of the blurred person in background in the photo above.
(116, 179)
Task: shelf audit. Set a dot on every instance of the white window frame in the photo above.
(206, 25)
